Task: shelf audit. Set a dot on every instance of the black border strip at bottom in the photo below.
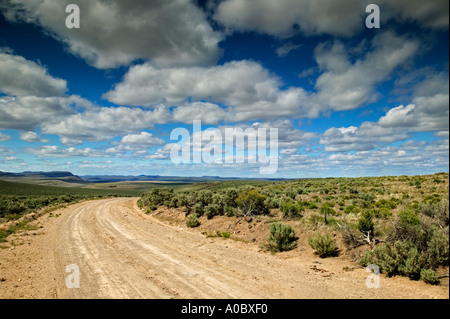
(223, 308)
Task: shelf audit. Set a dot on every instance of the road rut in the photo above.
(123, 253)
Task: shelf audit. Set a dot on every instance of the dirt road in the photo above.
(122, 253)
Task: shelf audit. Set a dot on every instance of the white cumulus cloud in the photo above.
(32, 137)
(21, 77)
(167, 32)
(342, 18)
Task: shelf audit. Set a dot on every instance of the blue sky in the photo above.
(104, 98)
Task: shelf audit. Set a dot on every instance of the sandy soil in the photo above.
(122, 253)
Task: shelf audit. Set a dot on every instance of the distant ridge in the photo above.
(51, 174)
(50, 178)
(42, 177)
(186, 179)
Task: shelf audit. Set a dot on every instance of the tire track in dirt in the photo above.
(122, 257)
(123, 253)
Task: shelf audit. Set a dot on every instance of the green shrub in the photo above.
(367, 197)
(313, 206)
(409, 217)
(3, 235)
(326, 210)
(272, 202)
(365, 223)
(226, 235)
(386, 258)
(229, 211)
(212, 210)
(384, 213)
(192, 220)
(315, 219)
(365, 204)
(404, 258)
(366, 259)
(432, 199)
(204, 197)
(291, 193)
(157, 197)
(438, 211)
(187, 200)
(151, 208)
(291, 209)
(172, 203)
(429, 276)
(282, 237)
(223, 234)
(437, 252)
(198, 209)
(351, 209)
(323, 244)
(389, 204)
(251, 202)
(230, 195)
(412, 264)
